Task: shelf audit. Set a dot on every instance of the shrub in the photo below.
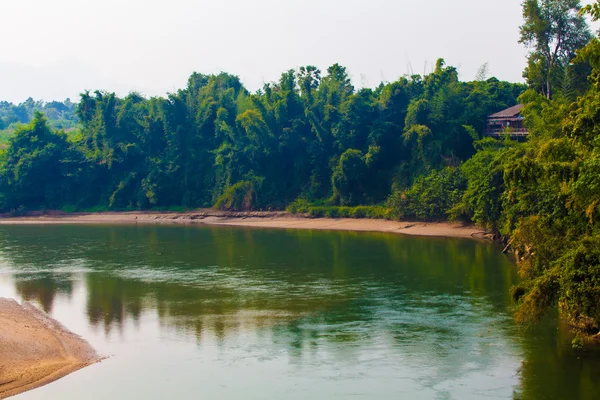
(178, 209)
(298, 206)
(69, 209)
(579, 277)
(431, 196)
(374, 212)
(240, 197)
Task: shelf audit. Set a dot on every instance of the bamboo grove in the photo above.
(306, 136)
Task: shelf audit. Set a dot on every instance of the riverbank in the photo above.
(36, 350)
(263, 219)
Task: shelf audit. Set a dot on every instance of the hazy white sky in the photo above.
(55, 49)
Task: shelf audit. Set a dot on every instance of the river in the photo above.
(189, 312)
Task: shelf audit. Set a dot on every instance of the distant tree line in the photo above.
(306, 136)
(60, 115)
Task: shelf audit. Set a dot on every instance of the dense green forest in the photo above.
(307, 136)
(311, 142)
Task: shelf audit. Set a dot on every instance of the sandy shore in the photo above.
(36, 350)
(258, 220)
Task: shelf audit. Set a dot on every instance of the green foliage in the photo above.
(69, 208)
(38, 168)
(553, 31)
(347, 177)
(303, 206)
(175, 209)
(308, 135)
(592, 9)
(240, 197)
(59, 116)
(481, 201)
(431, 197)
(579, 280)
(543, 196)
(373, 212)
(299, 206)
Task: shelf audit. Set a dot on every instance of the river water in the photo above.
(187, 312)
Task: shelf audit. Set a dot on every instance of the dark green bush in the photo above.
(579, 278)
(69, 208)
(430, 197)
(374, 212)
(239, 197)
(298, 206)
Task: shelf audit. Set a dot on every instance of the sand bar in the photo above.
(36, 350)
(264, 219)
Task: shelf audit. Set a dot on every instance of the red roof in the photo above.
(512, 112)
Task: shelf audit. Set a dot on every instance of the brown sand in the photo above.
(36, 350)
(258, 220)
(444, 229)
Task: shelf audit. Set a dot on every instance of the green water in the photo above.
(188, 312)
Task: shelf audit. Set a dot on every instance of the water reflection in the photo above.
(186, 272)
(42, 289)
(435, 311)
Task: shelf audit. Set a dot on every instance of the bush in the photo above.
(373, 212)
(302, 206)
(298, 206)
(579, 277)
(240, 197)
(69, 209)
(178, 209)
(484, 173)
(431, 196)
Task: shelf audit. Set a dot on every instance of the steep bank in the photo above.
(36, 350)
(265, 219)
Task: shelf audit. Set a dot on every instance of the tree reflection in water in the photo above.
(438, 304)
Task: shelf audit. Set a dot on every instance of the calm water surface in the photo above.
(189, 312)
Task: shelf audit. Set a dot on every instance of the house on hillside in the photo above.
(508, 122)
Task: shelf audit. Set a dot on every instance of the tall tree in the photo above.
(553, 30)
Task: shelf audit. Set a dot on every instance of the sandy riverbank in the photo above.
(36, 350)
(258, 220)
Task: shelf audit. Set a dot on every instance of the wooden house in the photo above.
(507, 122)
